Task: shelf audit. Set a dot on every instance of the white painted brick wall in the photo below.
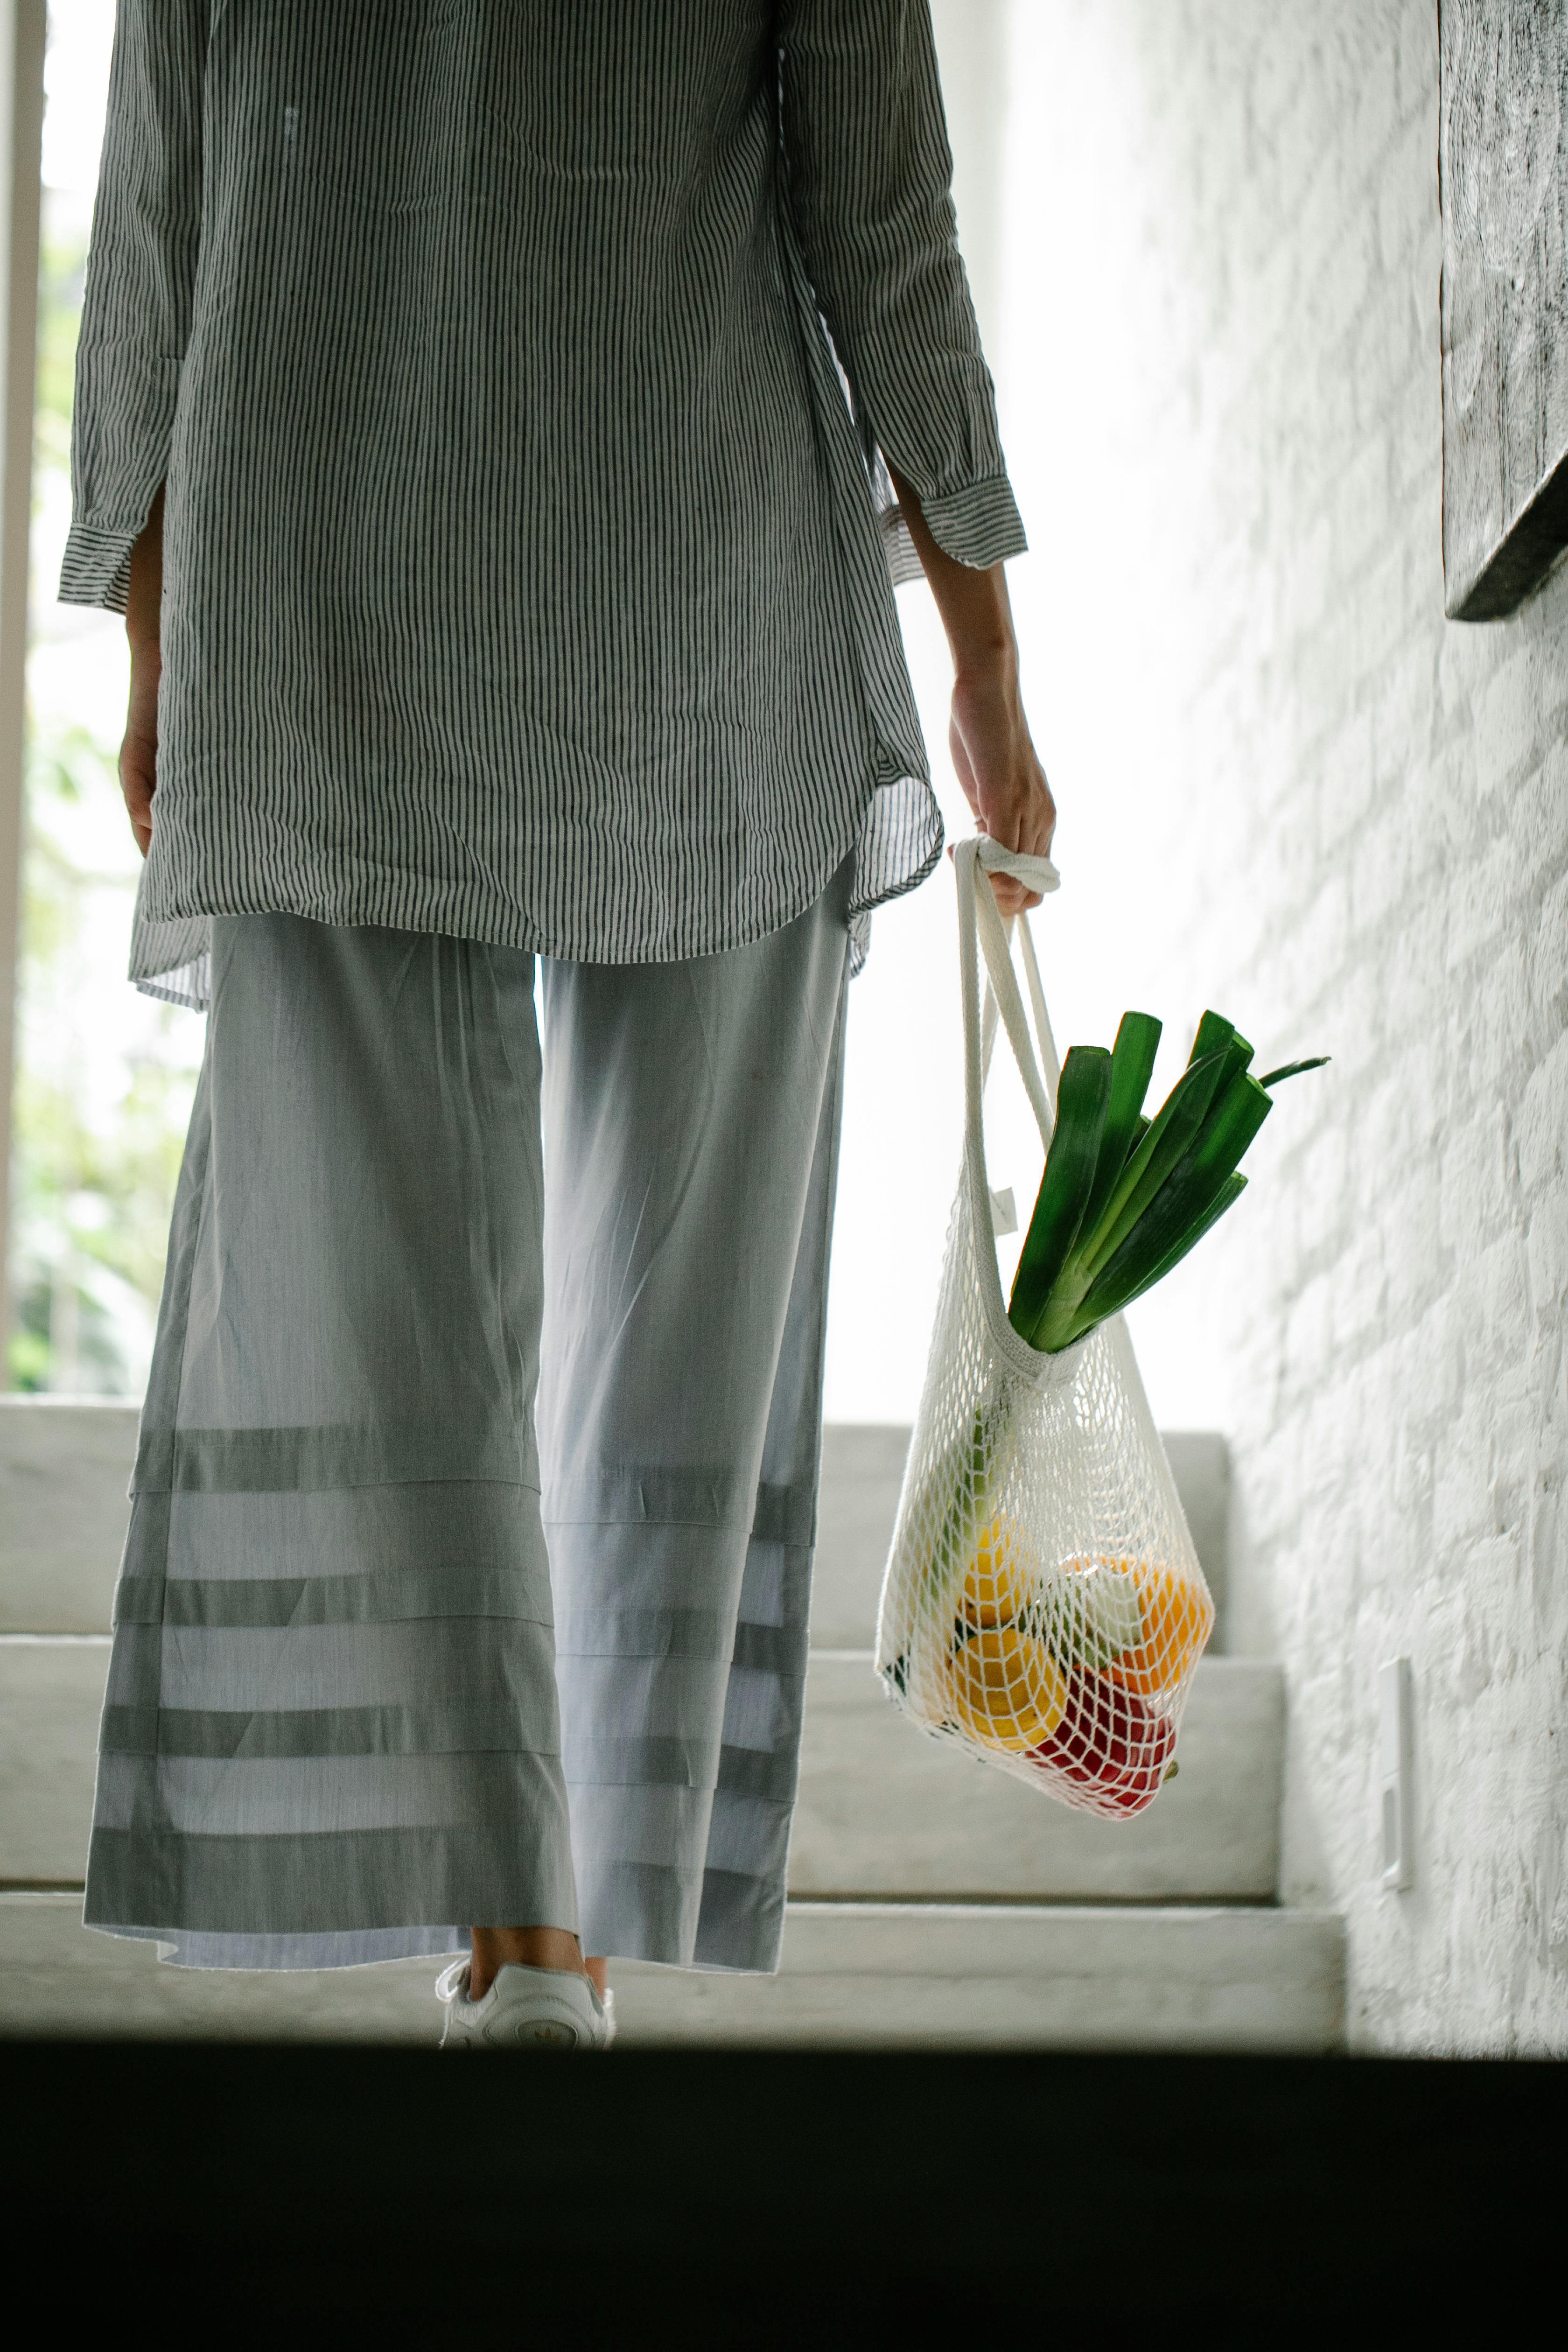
(1310, 800)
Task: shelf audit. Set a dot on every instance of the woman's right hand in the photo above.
(1004, 782)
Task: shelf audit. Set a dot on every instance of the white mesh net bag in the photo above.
(1043, 1606)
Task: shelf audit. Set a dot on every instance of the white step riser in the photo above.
(58, 1977)
(51, 1694)
(969, 1977)
(882, 1811)
(853, 1975)
(64, 1471)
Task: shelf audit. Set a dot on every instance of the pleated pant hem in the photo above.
(675, 1918)
(317, 1894)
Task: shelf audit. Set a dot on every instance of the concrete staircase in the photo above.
(934, 1903)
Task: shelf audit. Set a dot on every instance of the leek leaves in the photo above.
(1123, 1197)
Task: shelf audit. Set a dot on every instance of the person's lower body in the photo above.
(333, 1732)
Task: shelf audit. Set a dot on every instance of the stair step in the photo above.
(65, 1466)
(51, 1695)
(59, 1977)
(1015, 1976)
(862, 1471)
(884, 1811)
(881, 1812)
(947, 1976)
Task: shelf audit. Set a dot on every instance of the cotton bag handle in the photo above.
(1038, 874)
(1001, 995)
(977, 911)
(980, 927)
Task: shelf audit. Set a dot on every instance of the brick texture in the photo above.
(1302, 795)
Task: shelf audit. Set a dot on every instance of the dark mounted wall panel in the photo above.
(1504, 168)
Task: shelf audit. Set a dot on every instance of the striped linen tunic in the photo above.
(524, 378)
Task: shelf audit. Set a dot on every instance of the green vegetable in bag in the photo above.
(1124, 1198)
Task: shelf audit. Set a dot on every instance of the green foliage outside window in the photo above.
(105, 1075)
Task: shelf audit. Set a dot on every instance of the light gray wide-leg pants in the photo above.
(332, 1730)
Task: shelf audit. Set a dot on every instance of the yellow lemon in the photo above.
(996, 1581)
(1006, 1690)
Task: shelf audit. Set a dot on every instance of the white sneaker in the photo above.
(525, 2009)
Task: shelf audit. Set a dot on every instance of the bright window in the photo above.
(104, 1075)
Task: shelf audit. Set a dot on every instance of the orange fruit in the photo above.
(996, 1581)
(1178, 1617)
(1005, 1689)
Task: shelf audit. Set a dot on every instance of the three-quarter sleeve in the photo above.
(869, 179)
(141, 273)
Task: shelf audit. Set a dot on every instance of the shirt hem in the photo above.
(897, 844)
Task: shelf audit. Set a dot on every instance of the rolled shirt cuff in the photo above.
(978, 525)
(97, 567)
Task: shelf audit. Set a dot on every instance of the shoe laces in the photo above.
(452, 1984)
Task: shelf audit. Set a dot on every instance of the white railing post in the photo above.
(23, 28)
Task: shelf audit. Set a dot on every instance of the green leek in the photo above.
(1124, 1198)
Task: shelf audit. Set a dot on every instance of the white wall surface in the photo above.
(1291, 789)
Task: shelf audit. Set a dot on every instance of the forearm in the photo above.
(973, 605)
(993, 756)
(144, 612)
(143, 604)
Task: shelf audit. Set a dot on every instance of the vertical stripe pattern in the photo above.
(526, 571)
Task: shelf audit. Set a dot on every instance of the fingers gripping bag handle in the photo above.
(1043, 1607)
